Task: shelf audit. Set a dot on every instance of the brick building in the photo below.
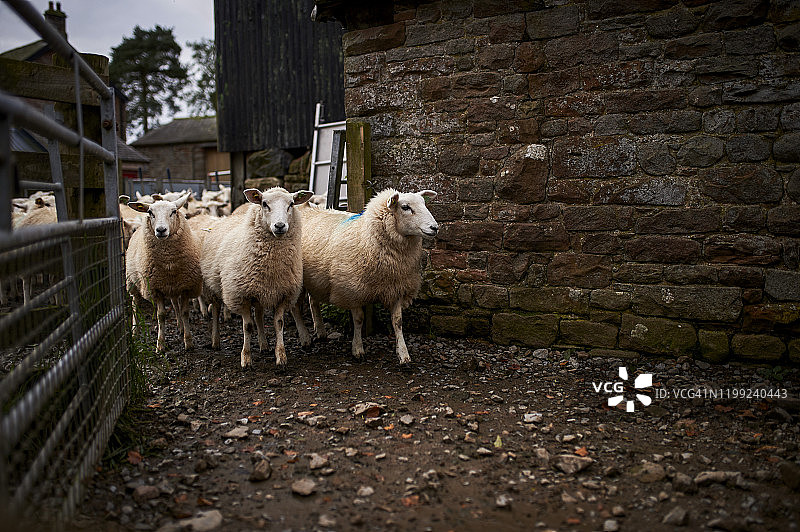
(616, 176)
(185, 146)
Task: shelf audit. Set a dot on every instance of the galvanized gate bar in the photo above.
(21, 415)
(35, 20)
(23, 114)
(6, 169)
(48, 232)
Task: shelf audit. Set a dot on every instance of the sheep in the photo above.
(163, 261)
(318, 200)
(351, 260)
(255, 261)
(147, 198)
(43, 212)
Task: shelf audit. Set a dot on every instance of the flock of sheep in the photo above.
(265, 253)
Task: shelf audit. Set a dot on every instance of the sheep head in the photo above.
(277, 206)
(163, 216)
(412, 217)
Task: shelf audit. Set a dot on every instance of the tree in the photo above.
(147, 68)
(203, 92)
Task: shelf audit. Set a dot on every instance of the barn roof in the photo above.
(129, 154)
(181, 131)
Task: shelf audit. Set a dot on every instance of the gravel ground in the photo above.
(472, 435)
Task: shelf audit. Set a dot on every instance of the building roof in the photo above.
(181, 131)
(26, 52)
(129, 154)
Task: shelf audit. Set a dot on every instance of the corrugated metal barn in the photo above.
(274, 65)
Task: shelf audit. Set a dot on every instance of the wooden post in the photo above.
(359, 165)
(238, 176)
(359, 175)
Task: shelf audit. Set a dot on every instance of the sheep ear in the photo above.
(180, 201)
(139, 206)
(392, 201)
(428, 194)
(138, 195)
(157, 197)
(40, 201)
(302, 196)
(124, 199)
(253, 195)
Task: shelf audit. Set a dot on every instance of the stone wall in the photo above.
(185, 161)
(615, 176)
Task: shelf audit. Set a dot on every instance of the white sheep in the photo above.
(351, 260)
(163, 261)
(318, 200)
(41, 211)
(254, 262)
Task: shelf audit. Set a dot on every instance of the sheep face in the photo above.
(276, 207)
(319, 201)
(162, 215)
(412, 217)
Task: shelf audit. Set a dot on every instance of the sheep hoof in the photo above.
(405, 360)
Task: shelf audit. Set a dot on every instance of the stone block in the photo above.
(662, 249)
(476, 84)
(524, 175)
(655, 158)
(713, 345)
(639, 273)
(601, 243)
(742, 249)
(741, 92)
(373, 39)
(495, 56)
(458, 161)
(446, 212)
(656, 335)
(741, 276)
(670, 23)
(646, 191)
(758, 40)
(719, 121)
(507, 268)
(749, 219)
(683, 274)
(580, 104)
(554, 83)
(745, 183)
(559, 300)
(610, 299)
(602, 9)
(793, 185)
(449, 325)
(491, 8)
(764, 317)
(784, 220)
(747, 148)
(757, 119)
(549, 236)
(433, 89)
(731, 14)
(593, 157)
(783, 285)
(590, 333)
(465, 236)
(701, 151)
(680, 221)
(529, 57)
(597, 218)
(640, 100)
(540, 330)
(553, 22)
(693, 46)
(794, 351)
(444, 260)
(490, 296)
(787, 148)
(509, 28)
(757, 347)
(475, 189)
(707, 303)
(420, 34)
(582, 270)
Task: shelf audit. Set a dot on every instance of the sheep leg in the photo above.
(262, 337)
(203, 307)
(26, 289)
(183, 303)
(358, 322)
(176, 307)
(316, 315)
(226, 313)
(215, 324)
(247, 328)
(161, 313)
(137, 304)
(302, 332)
(280, 350)
(397, 324)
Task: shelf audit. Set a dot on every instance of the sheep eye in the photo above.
(405, 207)
(290, 206)
(264, 204)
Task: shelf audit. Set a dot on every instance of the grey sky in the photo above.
(96, 26)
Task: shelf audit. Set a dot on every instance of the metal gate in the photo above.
(64, 344)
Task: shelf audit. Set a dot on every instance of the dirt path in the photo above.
(473, 436)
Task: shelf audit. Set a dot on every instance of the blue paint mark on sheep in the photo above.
(351, 218)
